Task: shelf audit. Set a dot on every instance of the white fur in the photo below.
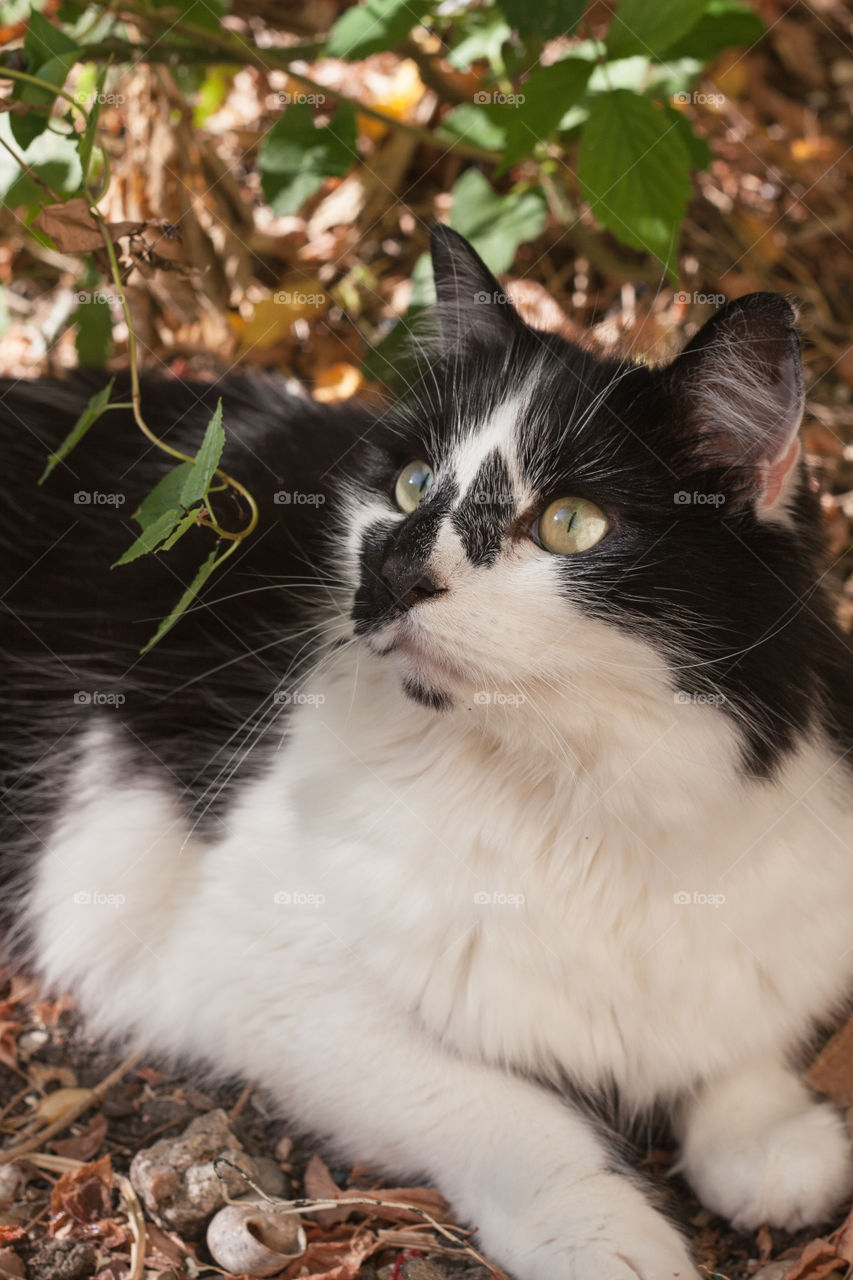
(390, 1006)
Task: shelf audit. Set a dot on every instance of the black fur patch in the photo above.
(434, 699)
(486, 511)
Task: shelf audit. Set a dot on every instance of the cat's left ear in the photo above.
(471, 303)
(739, 393)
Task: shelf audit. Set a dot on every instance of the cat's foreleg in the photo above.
(532, 1175)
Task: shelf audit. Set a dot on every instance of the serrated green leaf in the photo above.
(99, 403)
(205, 462)
(548, 94)
(297, 156)
(165, 496)
(496, 225)
(725, 24)
(545, 20)
(185, 523)
(697, 148)
(94, 331)
(374, 26)
(186, 599)
(634, 170)
(152, 536)
(49, 54)
(477, 124)
(640, 27)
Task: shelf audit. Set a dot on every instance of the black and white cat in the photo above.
(512, 749)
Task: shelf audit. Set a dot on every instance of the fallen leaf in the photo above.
(71, 226)
(82, 1196)
(85, 1145)
(831, 1072)
(320, 1185)
(337, 382)
(333, 1259)
(57, 1103)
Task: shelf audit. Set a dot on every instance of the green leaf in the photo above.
(723, 25)
(697, 148)
(55, 160)
(641, 27)
(186, 599)
(205, 462)
(297, 156)
(547, 95)
(165, 496)
(94, 330)
(374, 26)
(475, 123)
(634, 170)
(198, 13)
(545, 20)
(152, 536)
(484, 37)
(49, 54)
(186, 522)
(98, 404)
(496, 225)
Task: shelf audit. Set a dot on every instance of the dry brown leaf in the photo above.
(818, 1260)
(334, 1259)
(57, 1103)
(85, 1145)
(71, 226)
(82, 1196)
(831, 1072)
(320, 1185)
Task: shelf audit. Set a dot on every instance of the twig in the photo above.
(136, 1218)
(236, 1110)
(68, 1117)
(315, 1206)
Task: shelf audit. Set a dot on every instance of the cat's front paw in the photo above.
(788, 1173)
(602, 1229)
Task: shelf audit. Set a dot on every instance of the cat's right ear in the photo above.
(470, 303)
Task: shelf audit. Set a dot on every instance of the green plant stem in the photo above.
(212, 46)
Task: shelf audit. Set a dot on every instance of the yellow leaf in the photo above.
(337, 382)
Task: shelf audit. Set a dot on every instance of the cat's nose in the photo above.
(408, 583)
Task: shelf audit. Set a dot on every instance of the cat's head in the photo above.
(536, 521)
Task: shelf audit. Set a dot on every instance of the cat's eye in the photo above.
(413, 484)
(571, 524)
